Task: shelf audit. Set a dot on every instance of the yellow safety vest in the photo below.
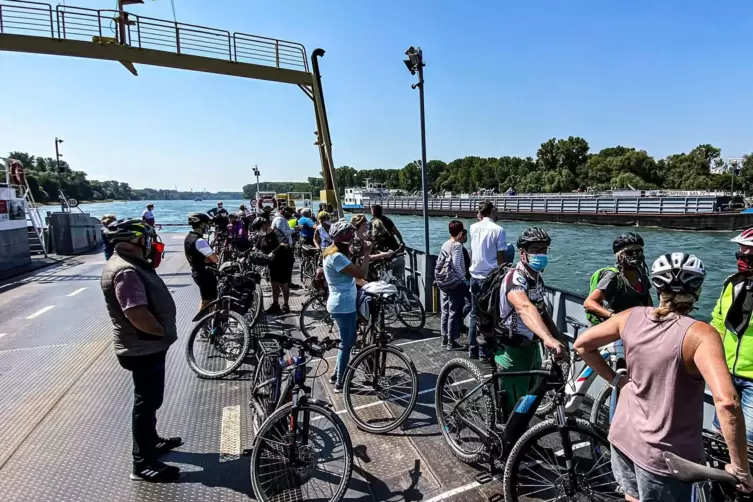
(738, 347)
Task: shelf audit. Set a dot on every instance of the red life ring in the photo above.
(17, 172)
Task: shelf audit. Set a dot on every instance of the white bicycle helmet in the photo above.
(678, 272)
(745, 238)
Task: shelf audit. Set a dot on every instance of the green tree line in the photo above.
(563, 165)
(43, 175)
(313, 185)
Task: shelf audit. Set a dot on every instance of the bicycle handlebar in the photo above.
(690, 472)
(312, 345)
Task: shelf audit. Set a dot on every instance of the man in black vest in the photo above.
(142, 311)
(199, 253)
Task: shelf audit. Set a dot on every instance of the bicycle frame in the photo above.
(577, 388)
(517, 423)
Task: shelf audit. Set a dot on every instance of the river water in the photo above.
(577, 250)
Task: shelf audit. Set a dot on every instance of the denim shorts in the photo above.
(647, 486)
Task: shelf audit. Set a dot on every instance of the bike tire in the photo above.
(547, 404)
(600, 411)
(529, 442)
(266, 369)
(281, 417)
(230, 365)
(415, 304)
(362, 421)
(257, 304)
(315, 304)
(484, 401)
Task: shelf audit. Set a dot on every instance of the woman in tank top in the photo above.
(669, 356)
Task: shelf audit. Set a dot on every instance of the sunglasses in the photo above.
(633, 253)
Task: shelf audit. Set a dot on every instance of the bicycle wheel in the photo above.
(257, 305)
(380, 389)
(600, 411)
(287, 467)
(314, 319)
(537, 468)
(410, 311)
(456, 380)
(263, 391)
(218, 344)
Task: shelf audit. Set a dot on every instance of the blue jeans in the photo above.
(347, 325)
(473, 348)
(453, 305)
(745, 389)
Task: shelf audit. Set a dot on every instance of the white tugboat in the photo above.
(356, 199)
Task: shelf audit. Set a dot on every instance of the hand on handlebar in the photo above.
(745, 478)
(557, 349)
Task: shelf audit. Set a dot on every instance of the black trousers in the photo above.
(148, 392)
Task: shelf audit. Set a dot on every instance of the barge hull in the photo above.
(698, 221)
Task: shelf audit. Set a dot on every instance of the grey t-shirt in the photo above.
(622, 298)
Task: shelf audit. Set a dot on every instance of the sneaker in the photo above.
(155, 472)
(444, 341)
(166, 444)
(285, 309)
(338, 388)
(274, 309)
(333, 378)
(454, 345)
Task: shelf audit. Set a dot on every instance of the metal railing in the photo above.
(65, 22)
(637, 205)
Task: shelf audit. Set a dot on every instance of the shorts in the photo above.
(281, 268)
(207, 283)
(647, 486)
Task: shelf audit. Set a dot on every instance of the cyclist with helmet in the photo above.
(322, 239)
(198, 254)
(669, 356)
(341, 275)
(273, 242)
(733, 319)
(623, 286)
(142, 312)
(524, 315)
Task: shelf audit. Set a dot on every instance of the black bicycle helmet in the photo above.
(533, 235)
(258, 224)
(128, 230)
(196, 219)
(626, 240)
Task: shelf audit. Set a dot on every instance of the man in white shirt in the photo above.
(148, 216)
(488, 245)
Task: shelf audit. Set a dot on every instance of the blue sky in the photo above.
(501, 78)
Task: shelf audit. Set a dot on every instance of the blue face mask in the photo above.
(538, 262)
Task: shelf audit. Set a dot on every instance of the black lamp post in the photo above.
(415, 64)
(257, 174)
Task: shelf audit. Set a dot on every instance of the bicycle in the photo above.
(222, 330)
(311, 259)
(711, 483)
(578, 385)
(300, 439)
(562, 456)
(405, 307)
(380, 388)
(314, 318)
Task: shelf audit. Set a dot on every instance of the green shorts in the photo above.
(517, 359)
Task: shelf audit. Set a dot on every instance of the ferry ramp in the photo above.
(65, 406)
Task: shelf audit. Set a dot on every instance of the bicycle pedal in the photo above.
(483, 478)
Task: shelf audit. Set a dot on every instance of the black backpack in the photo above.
(487, 301)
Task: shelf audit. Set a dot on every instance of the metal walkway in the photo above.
(65, 406)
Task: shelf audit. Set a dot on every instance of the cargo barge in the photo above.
(699, 212)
